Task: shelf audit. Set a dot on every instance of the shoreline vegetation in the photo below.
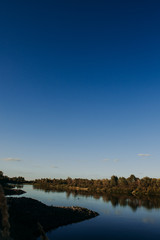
(131, 186)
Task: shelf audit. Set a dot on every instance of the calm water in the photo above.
(117, 220)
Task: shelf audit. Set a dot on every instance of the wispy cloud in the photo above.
(11, 159)
(112, 160)
(144, 154)
(53, 166)
(106, 159)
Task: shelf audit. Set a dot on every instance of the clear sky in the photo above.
(80, 88)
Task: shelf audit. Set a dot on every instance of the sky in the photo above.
(80, 88)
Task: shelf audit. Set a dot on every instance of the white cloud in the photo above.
(113, 160)
(144, 154)
(106, 159)
(12, 159)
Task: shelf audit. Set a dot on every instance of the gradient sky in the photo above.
(80, 88)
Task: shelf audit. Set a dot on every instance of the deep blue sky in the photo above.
(80, 88)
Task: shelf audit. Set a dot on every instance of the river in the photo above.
(118, 219)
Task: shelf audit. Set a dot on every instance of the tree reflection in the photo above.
(116, 200)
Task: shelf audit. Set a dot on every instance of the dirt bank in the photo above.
(25, 213)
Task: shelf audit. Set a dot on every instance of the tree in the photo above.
(114, 180)
(122, 181)
(132, 179)
(1, 175)
(146, 181)
(69, 181)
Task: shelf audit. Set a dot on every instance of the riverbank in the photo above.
(11, 191)
(131, 186)
(25, 213)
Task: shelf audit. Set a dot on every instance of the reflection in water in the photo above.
(148, 220)
(16, 185)
(121, 217)
(115, 200)
(118, 212)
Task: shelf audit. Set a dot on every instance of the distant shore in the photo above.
(131, 186)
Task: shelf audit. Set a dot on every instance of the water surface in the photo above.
(118, 219)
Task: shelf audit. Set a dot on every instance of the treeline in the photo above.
(8, 184)
(16, 180)
(129, 186)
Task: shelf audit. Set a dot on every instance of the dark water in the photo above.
(119, 218)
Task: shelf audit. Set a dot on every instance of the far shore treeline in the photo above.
(128, 186)
(115, 185)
